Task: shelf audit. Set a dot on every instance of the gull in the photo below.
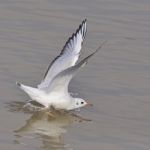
(53, 89)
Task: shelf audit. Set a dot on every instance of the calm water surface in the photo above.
(116, 80)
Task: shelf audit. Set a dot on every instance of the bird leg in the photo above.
(51, 112)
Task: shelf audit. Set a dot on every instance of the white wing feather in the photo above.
(61, 81)
(68, 56)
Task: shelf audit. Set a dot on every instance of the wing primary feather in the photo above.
(85, 60)
(80, 64)
(83, 28)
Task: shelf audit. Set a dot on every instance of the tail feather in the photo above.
(33, 93)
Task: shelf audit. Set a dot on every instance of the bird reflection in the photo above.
(50, 129)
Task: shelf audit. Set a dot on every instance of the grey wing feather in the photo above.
(68, 56)
(61, 81)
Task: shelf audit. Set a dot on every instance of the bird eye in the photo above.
(82, 102)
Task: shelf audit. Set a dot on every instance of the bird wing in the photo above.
(61, 81)
(68, 56)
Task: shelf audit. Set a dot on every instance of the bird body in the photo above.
(54, 99)
(53, 89)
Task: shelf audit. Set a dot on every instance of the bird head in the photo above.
(78, 103)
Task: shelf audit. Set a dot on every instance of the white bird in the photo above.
(53, 89)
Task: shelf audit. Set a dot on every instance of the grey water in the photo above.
(116, 80)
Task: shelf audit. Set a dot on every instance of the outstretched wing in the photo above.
(68, 56)
(61, 81)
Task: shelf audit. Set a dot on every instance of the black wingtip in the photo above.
(102, 44)
(85, 60)
(85, 20)
(17, 83)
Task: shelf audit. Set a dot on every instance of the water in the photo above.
(116, 80)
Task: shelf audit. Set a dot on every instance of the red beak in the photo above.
(89, 104)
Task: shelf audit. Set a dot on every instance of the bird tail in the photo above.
(32, 92)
